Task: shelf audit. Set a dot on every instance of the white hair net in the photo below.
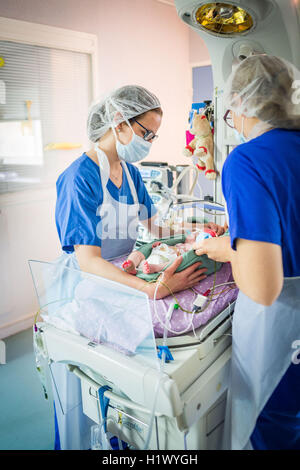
(268, 88)
(120, 105)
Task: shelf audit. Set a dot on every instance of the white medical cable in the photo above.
(184, 440)
(168, 318)
(224, 284)
(104, 434)
(161, 376)
(182, 174)
(196, 176)
(161, 371)
(193, 200)
(193, 314)
(200, 189)
(230, 314)
(162, 365)
(162, 362)
(160, 320)
(218, 285)
(194, 331)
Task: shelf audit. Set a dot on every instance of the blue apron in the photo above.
(118, 228)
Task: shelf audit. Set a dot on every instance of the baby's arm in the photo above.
(190, 237)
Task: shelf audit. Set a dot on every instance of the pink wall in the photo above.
(140, 41)
(198, 49)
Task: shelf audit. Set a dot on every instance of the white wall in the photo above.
(141, 42)
(27, 231)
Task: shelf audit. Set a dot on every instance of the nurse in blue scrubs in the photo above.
(260, 181)
(101, 196)
(100, 200)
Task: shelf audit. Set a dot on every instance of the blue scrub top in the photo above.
(260, 181)
(79, 195)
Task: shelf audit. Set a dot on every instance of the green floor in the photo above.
(26, 418)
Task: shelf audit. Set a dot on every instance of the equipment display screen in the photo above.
(148, 173)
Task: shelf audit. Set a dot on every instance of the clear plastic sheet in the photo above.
(119, 316)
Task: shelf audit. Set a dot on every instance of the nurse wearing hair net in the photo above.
(100, 199)
(260, 181)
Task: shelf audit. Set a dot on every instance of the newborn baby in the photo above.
(162, 254)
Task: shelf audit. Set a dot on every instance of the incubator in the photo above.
(162, 392)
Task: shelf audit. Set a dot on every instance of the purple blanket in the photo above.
(182, 322)
(90, 315)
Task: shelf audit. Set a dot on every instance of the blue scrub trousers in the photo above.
(278, 425)
(57, 439)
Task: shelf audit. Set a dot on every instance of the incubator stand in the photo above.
(190, 406)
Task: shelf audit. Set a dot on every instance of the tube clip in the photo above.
(168, 356)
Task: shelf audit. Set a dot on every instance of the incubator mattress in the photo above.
(182, 322)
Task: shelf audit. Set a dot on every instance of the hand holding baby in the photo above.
(218, 249)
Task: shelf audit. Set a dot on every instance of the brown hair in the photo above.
(155, 110)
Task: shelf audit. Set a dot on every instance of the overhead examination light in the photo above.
(223, 18)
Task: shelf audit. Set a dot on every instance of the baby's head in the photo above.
(206, 233)
(199, 235)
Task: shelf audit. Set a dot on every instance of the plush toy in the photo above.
(202, 146)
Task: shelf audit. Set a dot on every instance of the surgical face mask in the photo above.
(137, 149)
(240, 135)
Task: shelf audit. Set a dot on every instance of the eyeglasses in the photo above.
(228, 119)
(149, 135)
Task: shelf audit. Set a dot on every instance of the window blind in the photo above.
(44, 98)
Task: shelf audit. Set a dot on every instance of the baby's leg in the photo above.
(149, 268)
(133, 260)
(155, 267)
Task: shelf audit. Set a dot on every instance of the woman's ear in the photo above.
(119, 127)
(118, 119)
